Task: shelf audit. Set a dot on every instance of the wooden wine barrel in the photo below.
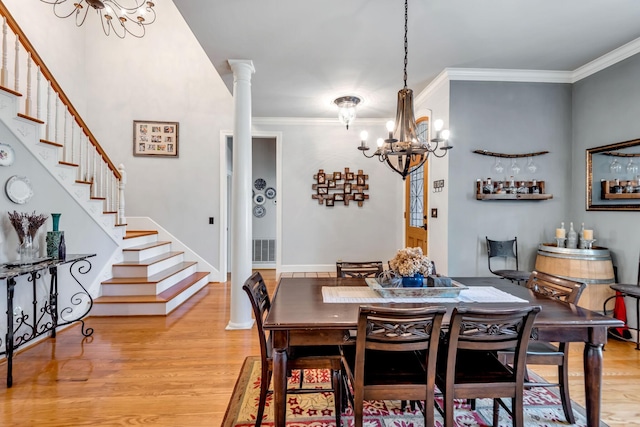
(592, 266)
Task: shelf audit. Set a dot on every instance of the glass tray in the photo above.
(436, 292)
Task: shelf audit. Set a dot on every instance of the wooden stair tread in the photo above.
(146, 246)
(139, 233)
(152, 279)
(163, 297)
(149, 261)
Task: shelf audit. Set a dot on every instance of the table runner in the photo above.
(362, 294)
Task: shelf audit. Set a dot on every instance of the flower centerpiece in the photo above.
(412, 265)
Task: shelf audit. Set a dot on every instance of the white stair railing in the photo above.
(63, 125)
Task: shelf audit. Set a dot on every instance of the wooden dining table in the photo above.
(299, 316)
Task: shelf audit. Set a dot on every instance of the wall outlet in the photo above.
(210, 220)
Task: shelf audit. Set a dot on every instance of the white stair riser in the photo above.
(141, 240)
(121, 271)
(148, 309)
(186, 294)
(143, 254)
(124, 309)
(129, 289)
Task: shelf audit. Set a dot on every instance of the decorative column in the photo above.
(241, 220)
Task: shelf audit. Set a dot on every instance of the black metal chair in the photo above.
(359, 269)
(300, 357)
(507, 250)
(632, 291)
(546, 353)
(394, 357)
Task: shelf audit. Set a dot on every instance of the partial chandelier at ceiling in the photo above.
(120, 17)
(404, 150)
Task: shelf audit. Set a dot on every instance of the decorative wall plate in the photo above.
(18, 189)
(259, 211)
(7, 155)
(259, 199)
(260, 184)
(270, 193)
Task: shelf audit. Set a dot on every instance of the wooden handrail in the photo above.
(56, 87)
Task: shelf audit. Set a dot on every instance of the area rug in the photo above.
(542, 407)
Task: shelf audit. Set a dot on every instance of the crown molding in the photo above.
(312, 121)
(504, 75)
(607, 60)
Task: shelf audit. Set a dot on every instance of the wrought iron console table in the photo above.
(44, 316)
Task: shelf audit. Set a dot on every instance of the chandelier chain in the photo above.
(406, 43)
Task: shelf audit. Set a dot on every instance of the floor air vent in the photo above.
(264, 250)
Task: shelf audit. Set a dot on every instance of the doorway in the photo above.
(416, 197)
(266, 213)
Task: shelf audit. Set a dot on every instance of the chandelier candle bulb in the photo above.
(588, 234)
(561, 233)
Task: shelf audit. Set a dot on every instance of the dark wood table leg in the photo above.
(280, 344)
(593, 374)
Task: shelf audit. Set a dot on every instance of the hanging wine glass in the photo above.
(531, 167)
(498, 168)
(615, 166)
(515, 168)
(632, 168)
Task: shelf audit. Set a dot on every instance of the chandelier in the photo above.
(121, 17)
(404, 151)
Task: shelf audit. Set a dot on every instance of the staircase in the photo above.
(151, 280)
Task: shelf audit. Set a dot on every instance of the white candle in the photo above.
(561, 233)
(588, 234)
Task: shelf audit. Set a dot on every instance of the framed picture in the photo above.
(321, 178)
(322, 189)
(349, 176)
(358, 196)
(347, 188)
(332, 183)
(337, 176)
(338, 197)
(155, 139)
(329, 201)
(360, 179)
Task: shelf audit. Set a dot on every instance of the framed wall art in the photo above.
(155, 139)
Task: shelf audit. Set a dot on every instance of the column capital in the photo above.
(241, 65)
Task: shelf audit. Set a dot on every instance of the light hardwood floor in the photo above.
(179, 371)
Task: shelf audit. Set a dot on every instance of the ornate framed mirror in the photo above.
(613, 177)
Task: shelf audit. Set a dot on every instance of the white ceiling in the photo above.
(308, 52)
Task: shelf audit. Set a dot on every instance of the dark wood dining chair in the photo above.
(299, 357)
(546, 353)
(394, 357)
(359, 269)
(467, 364)
(507, 250)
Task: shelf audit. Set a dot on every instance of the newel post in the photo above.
(123, 181)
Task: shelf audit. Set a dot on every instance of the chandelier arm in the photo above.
(371, 156)
(57, 3)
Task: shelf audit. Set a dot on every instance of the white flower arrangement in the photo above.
(409, 261)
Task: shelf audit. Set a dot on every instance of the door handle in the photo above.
(424, 226)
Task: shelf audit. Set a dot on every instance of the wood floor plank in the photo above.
(179, 370)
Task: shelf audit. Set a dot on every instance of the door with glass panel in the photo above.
(416, 197)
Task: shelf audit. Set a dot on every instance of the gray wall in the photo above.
(264, 166)
(606, 107)
(511, 118)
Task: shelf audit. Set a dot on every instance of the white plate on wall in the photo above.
(7, 155)
(18, 189)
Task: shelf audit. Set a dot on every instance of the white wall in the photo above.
(315, 236)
